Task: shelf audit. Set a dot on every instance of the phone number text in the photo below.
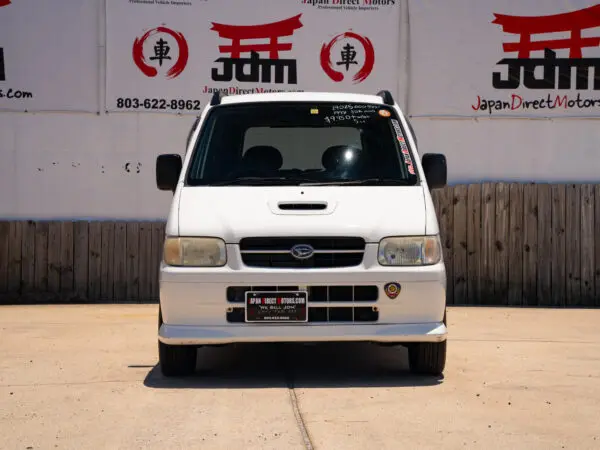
(158, 104)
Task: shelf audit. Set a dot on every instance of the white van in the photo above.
(302, 217)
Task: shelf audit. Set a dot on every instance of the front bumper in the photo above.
(196, 310)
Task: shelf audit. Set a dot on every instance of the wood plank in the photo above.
(120, 258)
(474, 244)
(544, 253)
(501, 244)
(530, 244)
(459, 246)
(587, 245)
(15, 252)
(107, 261)
(95, 261)
(446, 218)
(515, 252)
(41, 256)
(28, 258)
(66, 260)
(4, 240)
(488, 242)
(597, 245)
(146, 262)
(54, 238)
(133, 261)
(559, 225)
(158, 237)
(573, 246)
(81, 259)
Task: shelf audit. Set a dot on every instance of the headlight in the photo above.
(410, 251)
(195, 252)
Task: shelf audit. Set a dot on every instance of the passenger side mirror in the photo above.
(168, 169)
(434, 166)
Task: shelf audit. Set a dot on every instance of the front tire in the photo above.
(175, 360)
(427, 358)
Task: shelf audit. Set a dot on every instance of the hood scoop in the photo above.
(302, 207)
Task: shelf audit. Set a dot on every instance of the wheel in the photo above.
(428, 358)
(175, 360)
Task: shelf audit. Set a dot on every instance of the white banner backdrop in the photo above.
(49, 57)
(511, 58)
(170, 56)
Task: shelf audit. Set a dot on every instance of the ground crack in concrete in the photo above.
(289, 379)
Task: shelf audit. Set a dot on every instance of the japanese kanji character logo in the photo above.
(574, 23)
(162, 52)
(259, 69)
(348, 57)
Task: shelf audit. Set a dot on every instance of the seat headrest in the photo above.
(262, 157)
(341, 157)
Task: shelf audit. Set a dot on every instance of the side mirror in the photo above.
(168, 169)
(434, 166)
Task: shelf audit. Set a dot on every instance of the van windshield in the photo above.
(302, 144)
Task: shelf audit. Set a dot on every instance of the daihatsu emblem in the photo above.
(302, 251)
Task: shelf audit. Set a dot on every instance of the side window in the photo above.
(187, 143)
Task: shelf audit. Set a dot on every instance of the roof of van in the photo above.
(302, 97)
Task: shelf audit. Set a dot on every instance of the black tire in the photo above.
(175, 360)
(427, 358)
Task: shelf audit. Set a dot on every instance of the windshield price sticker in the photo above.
(404, 147)
(277, 306)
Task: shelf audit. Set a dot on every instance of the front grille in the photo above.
(316, 294)
(329, 252)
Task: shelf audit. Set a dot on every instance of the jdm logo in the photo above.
(2, 74)
(163, 40)
(349, 58)
(247, 39)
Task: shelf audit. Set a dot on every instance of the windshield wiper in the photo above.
(259, 181)
(365, 181)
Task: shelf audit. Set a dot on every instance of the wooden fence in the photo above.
(504, 243)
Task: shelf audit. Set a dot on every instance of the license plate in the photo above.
(277, 306)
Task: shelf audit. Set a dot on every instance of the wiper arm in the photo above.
(365, 181)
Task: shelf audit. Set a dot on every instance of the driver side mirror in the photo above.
(434, 166)
(168, 169)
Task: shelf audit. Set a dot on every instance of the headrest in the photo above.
(340, 156)
(262, 157)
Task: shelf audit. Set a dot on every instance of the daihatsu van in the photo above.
(302, 217)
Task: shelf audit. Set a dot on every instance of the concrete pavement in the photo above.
(74, 377)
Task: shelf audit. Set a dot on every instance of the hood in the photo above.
(235, 212)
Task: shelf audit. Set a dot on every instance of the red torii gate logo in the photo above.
(272, 32)
(525, 26)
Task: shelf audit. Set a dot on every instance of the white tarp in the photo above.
(512, 58)
(49, 57)
(170, 56)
